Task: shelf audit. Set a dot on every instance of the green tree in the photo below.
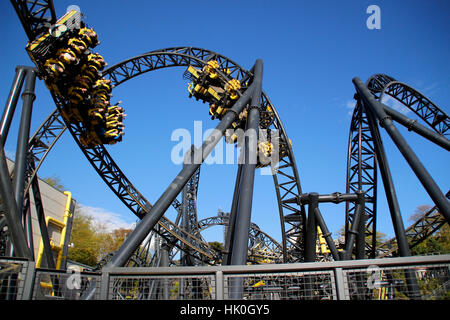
(437, 243)
(55, 182)
(84, 240)
(91, 241)
(216, 245)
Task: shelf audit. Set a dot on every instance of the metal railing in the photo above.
(16, 276)
(379, 279)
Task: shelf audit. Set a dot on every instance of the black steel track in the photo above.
(362, 160)
(287, 182)
(110, 172)
(259, 239)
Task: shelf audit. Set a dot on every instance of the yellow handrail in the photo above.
(67, 215)
(63, 226)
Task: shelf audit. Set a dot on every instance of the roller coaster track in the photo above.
(416, 233)
(287, 182)
(362, 159)
(100, 159)
(36, 16)
(261, 245)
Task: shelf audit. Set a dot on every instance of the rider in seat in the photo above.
(88, 36)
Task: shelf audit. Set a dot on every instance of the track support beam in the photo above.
(422, 174)
(141, 231)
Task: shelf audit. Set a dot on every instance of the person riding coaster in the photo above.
(67, 56)
(77, 45)
(96, 115)
(96, 60)
(88, 36)
(102, 86)
(78, 93)
(90, 71)
(54, 68)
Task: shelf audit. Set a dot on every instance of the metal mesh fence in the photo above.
(54, 285)
(426, 278)
(281, 286)
(12, 276)
(162, 287)
(427, 282)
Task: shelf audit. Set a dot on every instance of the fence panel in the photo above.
(161, 287)
(310, 285)
(61, 285)
(391, 283)
(13, 273)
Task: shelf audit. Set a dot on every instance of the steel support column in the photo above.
(228, 246)
(28, 97)
(413, 125)
(240, 243)
(355, 227)
(326, 233)
(165, 248)
(11, 104)
(239, 252)
(50, 261)
(311, 229)
(389, 188)
(375, 109)
(16, 231)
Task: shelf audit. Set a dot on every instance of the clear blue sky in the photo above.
(311, 52)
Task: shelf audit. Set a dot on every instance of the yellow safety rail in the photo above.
(63, 226)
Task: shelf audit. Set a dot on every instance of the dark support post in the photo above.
(375, 109)
(28, 97)
(359, 209)
(240, 243)
(50, 261)
(244, 205)
(311, 229)
(360, 244)
(184, 222)
(422, 174)
(28, 225)
(389, 188)
(157, 211)
(17, 234)
(11, 104)
(413, 125)
(165, 263)
(310, 241)
(326, 233)
(232, 219)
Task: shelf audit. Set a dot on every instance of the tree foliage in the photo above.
(438, 243)
(55, 182)
(91, 241)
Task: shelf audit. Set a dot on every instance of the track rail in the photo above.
(35, 15)
(362, 160)
(113, 176)
(259, 240)
(287, 182)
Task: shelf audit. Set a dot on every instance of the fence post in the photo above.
(219, 285)
(104, 285)
(28, 282)
(340, 288)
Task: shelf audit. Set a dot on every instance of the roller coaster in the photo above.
(81, 87)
